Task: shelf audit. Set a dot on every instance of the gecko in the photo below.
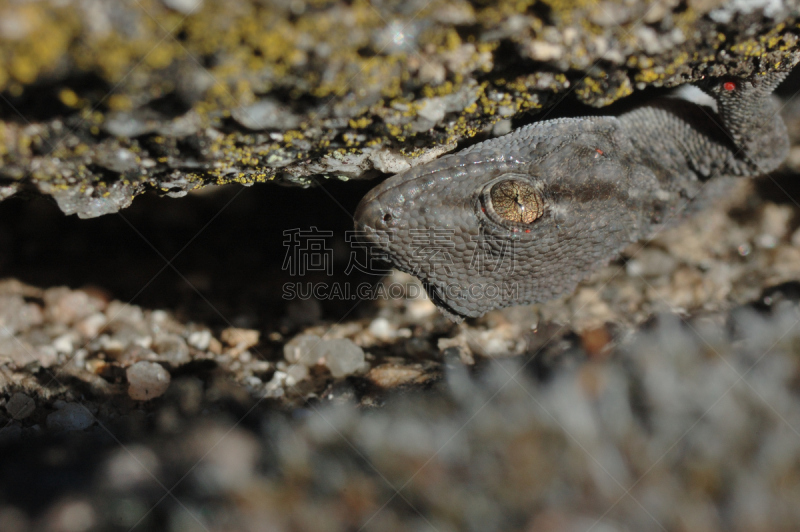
(523, 218)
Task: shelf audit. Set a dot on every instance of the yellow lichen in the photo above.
(69, 98)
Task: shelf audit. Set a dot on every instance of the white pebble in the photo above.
(63, 344)
(342, 356)
(303, 349)
(91, 325)
(381, 329)
(296, 373)
(147, 380)
(200, 339)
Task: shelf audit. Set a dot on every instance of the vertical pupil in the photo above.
(517, 201)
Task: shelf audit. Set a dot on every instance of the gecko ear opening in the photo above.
(512, 201)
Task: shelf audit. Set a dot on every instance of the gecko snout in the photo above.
(375, 215)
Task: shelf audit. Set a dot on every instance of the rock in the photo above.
(117, 159)
(651, 263)
(226, 460)
(240, 339)
(265, 114)
(273, 99)
(130, 467)
(342, 356)
(71, 515)
(20, 353)
(171, 349)
(67, 306)
(382, 329)
(64, 343)
(71, 416)
(20, 406)
(147, 380)
(302, 349)
(391, 376)
(199, 339)
(16, 315)
(296, 373)
(91, 325)
(123, 312)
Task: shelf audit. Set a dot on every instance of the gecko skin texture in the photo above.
(523, 218)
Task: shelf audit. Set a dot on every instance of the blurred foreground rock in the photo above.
(686, 424)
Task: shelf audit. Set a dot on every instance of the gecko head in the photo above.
(482, 236)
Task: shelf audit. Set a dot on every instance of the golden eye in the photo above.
(517, 201)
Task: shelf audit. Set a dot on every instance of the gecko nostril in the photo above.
(387, 217)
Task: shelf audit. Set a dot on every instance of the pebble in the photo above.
(596, 341)
(147, 380)
(199, 339)
(91, 325)
(342, 356)
(20, 406)
(651, 263)
(392, 375)
(545, 51)
(16, 315)
(131, 467)
(72, 416)
(382, 329)
(63, 344)
(123, 312)
(226, 458)
(67, 306)
(420, 309)
(265, 114)
(302, 349)
(296, 373)
(172, 349)
(71, 516)
(18, 352)
(240, 339)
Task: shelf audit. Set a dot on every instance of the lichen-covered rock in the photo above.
(106, 99)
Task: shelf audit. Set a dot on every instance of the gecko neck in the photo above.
(746, 137)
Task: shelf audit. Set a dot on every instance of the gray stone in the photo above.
(71, 416)
(20, 406)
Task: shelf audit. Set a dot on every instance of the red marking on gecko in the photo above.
(729, 85)
(598, 150)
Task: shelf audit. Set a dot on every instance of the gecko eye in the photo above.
(513, 201)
